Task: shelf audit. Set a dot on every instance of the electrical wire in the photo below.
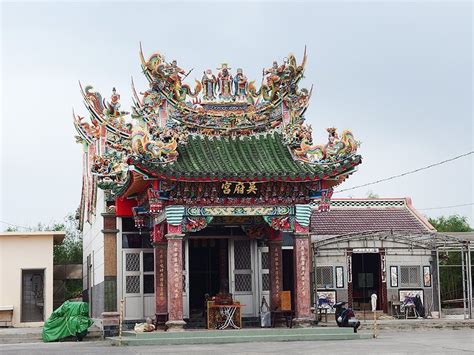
(406, 173)
(442, 207)
(15, 225)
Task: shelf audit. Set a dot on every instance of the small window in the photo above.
(137, 241)
(128, 225)
(148, 283)
(410, 276)
(324, 277)
(148, 262)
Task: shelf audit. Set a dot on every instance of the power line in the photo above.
(442, 207)
(406, 173)
(15, 225)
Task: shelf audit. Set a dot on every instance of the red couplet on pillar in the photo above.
(161, 292)
(302, 276)
(175, 276)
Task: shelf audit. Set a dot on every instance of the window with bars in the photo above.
(139, 272)
(242, 266)
(410, 276)
(265, 266)
(324, 277)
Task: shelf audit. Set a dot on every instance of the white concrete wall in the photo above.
(93, 243)
(21, 251)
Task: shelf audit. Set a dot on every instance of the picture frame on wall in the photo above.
(427, 276)
(408, 296)
(326, 299)
(339, 277)
(393, 276)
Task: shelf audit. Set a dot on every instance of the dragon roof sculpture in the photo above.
(222, 105)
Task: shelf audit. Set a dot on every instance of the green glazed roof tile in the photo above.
(262, 157)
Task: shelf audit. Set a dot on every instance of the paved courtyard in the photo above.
(411, 342)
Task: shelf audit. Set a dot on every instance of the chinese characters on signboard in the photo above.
(239, 189)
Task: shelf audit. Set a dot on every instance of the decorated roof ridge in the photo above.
(350, 203)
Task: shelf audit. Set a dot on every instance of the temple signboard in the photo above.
(239, 189)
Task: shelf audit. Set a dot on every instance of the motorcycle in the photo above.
(345, 316)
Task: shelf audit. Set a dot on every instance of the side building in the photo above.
(381, 246)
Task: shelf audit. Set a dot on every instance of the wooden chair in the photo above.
(283, 310)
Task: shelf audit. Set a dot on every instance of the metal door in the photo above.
(32, 296)
(263, 272)
(138, 283)
(242, 268)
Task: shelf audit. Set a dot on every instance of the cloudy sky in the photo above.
(399, 74)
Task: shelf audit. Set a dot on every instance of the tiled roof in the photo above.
(258, 157)
(367, 215)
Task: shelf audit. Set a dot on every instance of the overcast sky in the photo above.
(399, 74)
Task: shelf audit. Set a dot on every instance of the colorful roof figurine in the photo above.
(222, 127)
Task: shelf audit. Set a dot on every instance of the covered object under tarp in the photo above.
(70, 319)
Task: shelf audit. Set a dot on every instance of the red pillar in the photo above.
(161, 292)
(175, 278)
(302, 261)
(276, 269)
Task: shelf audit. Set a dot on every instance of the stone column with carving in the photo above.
(276, 268)
(302, 259)
(161, 277)
(175, 278)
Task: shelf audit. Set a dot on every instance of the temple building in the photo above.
(204, 190)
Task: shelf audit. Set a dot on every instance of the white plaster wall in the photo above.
(19, 252)
(93, 242)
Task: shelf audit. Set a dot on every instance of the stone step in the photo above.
(237, 336)
(228, 337)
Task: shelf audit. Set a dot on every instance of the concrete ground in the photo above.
(423, 341)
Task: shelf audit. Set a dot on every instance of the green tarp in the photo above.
(70, 319)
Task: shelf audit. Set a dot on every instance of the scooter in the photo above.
(345, 317)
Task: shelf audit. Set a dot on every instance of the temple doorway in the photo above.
(207, 271)
(366, 279)
(288, 273)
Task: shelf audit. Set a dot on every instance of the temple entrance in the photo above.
(366, 280)
(207, 270)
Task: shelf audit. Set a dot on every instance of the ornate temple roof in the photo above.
(223, 127)
(262, 157)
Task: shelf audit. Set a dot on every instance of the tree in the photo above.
(453, 223)
(450, 272)
(371, 194)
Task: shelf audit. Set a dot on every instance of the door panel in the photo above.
(32, 296)
(242, 268)
(138, 284)
(263, 273)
